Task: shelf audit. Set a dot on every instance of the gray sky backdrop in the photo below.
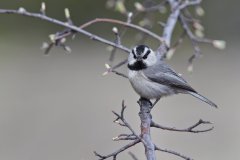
(58, 107)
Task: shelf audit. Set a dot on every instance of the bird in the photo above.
(152, 78)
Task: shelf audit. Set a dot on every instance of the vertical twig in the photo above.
(146, 118)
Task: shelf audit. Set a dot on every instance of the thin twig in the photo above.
(179, 40)
(67, 25)
(114, 21)
(112, 69)
(173, 153)
(125, 123)
(130, 17)
(118, 41)
(133, 136)
(189, 129)
(146, 118)
(168, 29)
(114, 154)
(125, 137)
(171, 22)
(119, 74)
(119, 64)
(190, 34)
(134, 157)
(194, 39)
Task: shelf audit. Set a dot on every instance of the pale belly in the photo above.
(146, 88)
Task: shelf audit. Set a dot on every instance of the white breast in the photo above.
(147, 88)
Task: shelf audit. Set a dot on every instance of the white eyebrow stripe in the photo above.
(135, 50)
(146, 49)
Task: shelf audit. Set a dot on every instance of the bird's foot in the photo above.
(144, 99)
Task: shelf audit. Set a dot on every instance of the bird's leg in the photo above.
(141, 98)
(155, 102)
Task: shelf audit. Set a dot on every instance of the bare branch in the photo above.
(124, 122)
(175, 45)
(114, 154)
(194, 40)
(125, 137)
(190, 129)
(168, 28)
(190, 34)
(171, 22)
(133, 156)
(112, 69)
(126, 24)
(118, 41)
(146, 118)
(67, 25)
(119, 73)
(132, 136)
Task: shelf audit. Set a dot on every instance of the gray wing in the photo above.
(163, 74)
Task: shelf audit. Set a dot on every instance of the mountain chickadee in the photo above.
(152, 78)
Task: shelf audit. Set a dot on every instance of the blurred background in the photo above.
(58, 107)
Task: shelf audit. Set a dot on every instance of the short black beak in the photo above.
(139, 58)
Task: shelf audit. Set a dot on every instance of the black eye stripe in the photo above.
(146, 55)
(134, 56)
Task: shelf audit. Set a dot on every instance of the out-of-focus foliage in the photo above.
(220, 16)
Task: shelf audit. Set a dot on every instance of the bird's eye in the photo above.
(146, 55)
(134, 56)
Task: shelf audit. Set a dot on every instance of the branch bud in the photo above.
(219, 44)
(62, 40)
(117, 121)
(109, 48)
(130, 14)
(67, 13)
(21, 10)
(198, 26)
(145, 22)
(190, 68)
(129, 17)
(45, 45)
(120, 7)
(43, 7)
(52, 37)
(199, 33)
(115, 30)
(139, 6)
(199, 11)
(115, 138)
(67, 49)
(73, 36)
(105, 73)
(107, 66)
(110, 4)
(170, 53)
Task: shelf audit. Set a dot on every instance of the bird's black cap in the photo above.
(140, 48)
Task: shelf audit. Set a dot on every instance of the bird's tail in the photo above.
(197, 95)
